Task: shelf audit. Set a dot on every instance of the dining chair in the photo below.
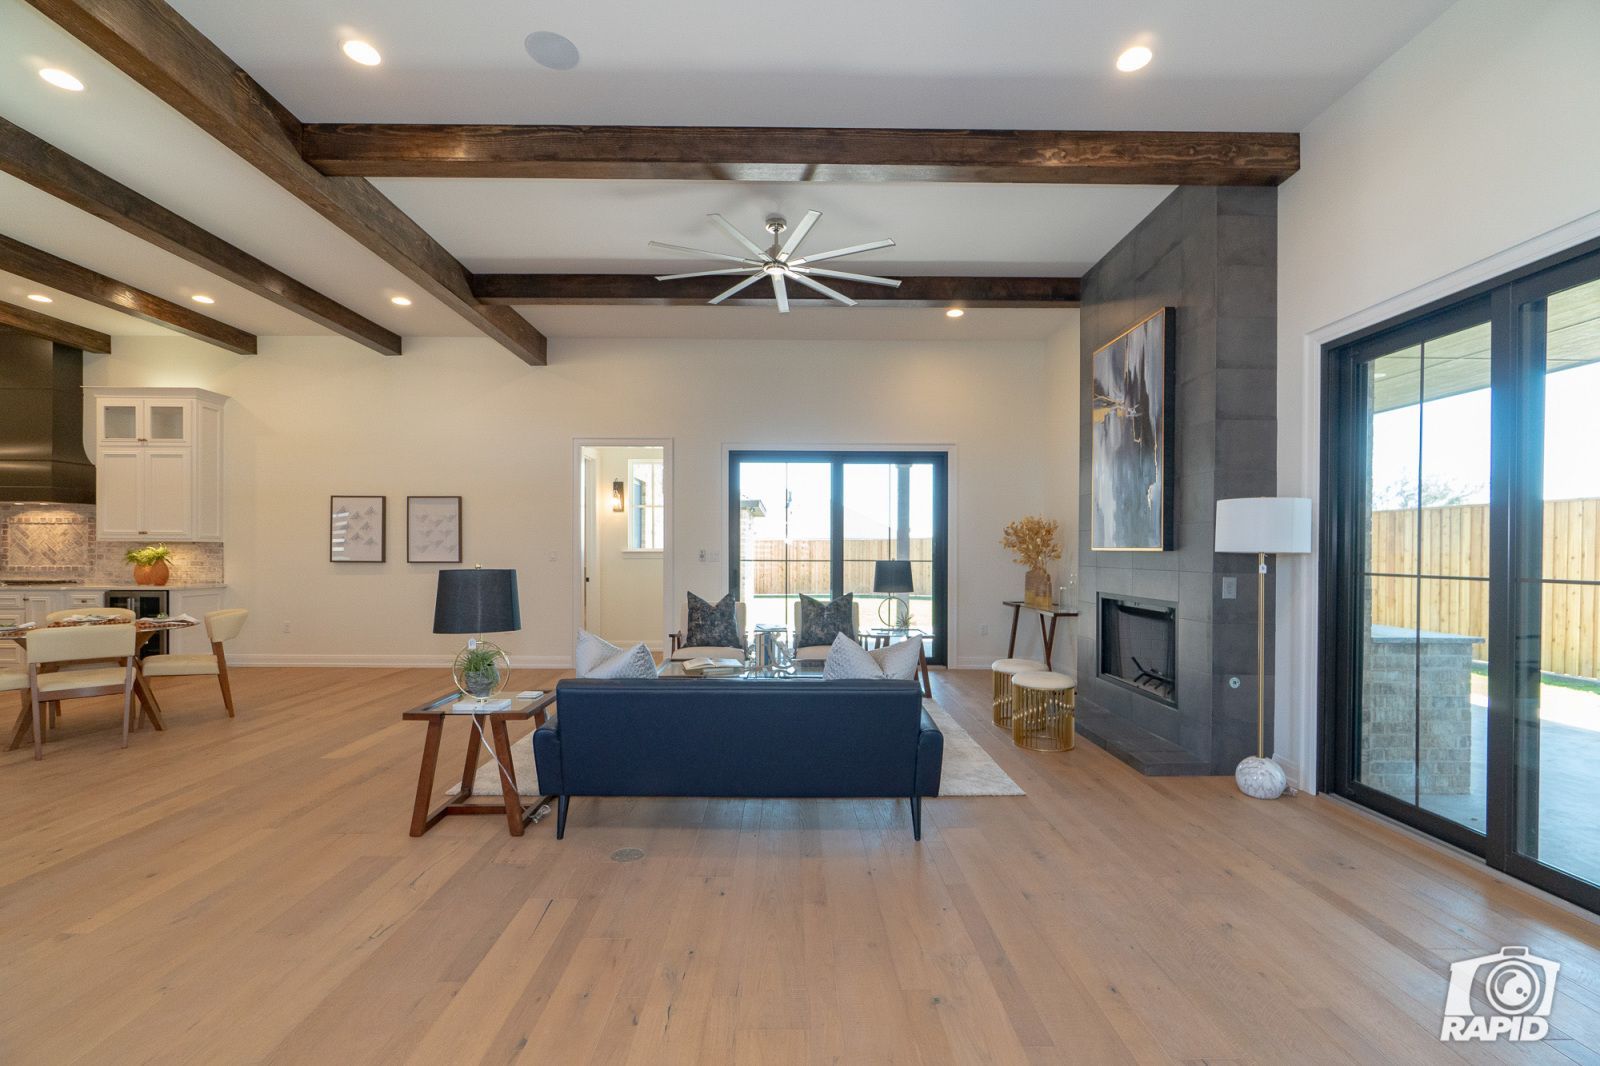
(66, 644)
(17, 681)
(221, 627)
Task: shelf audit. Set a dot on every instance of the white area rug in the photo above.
(968, 770)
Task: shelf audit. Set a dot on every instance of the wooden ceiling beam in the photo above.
(156, 47)
(31, 322)
(86, 284)
(739, 153)
(924, 291)
(73, 181)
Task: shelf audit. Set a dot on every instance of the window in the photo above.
(646, 509)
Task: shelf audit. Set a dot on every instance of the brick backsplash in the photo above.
(57, 541)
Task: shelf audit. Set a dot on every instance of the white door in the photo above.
(168, 493)
(117, 477)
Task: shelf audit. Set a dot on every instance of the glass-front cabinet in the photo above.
(158, 463)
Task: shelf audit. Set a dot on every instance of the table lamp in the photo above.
(478, 601)
(893, 576)
(1278, 525)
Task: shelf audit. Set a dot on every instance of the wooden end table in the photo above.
(1053, 612)
(435, 712)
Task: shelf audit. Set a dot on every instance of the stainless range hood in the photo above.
(41, 423)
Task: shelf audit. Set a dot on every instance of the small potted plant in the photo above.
(1032, 541)
(480, 672)
(150, 564)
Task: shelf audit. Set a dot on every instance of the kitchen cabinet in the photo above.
(158, 463)
(18, 605)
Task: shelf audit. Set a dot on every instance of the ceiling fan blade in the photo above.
(706, 273)
(820, 287)
(706, 254)
(798, 235)
(837, 252)
(746, 283)
(731, 230)
(781, 291)
(868, 279)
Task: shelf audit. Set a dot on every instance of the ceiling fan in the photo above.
(778, 262)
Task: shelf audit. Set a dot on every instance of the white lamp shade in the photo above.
(1277, 525)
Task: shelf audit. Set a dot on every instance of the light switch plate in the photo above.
(1230, 588)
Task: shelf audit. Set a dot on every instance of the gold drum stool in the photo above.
(1044, 715)
(1004, 671)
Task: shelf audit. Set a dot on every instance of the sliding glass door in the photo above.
(818, 523)
(1461, 573)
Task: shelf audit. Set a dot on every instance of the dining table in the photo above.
(148, 708)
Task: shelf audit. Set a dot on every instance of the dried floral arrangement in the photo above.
(1032, 540)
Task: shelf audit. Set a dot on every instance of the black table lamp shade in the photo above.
(891, 576)
(476, 601)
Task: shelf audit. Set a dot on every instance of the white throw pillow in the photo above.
(592, 651)
(899, 661)
(634, 662)
(847, 660)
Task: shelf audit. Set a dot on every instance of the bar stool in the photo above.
(1004, 670)
(1045, 711)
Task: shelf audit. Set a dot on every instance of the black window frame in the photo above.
(939, 643)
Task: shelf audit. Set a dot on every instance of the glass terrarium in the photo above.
(482, 670)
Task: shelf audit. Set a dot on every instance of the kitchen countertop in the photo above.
(21, 583)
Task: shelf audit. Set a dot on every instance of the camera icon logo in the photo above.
(1518, 988)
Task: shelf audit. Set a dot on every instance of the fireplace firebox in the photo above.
(1139, 646)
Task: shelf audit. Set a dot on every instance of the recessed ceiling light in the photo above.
(61, 80)
(1135, 58)
(551, 50)
(39, 298)
(954, 312)
(202, 298)
(362, 53)
(400, 301)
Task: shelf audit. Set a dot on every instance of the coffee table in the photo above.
(799, 672)
(434, 712)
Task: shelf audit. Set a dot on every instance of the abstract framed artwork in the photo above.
(433, 529)
(1130, 466)
(357, 529)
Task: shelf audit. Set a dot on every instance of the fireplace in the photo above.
(1139, 646)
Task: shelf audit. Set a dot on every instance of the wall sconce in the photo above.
(616, 496)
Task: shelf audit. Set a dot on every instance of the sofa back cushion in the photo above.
(683, 737)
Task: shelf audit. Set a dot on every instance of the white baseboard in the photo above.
(1291, 770)
(521, 662)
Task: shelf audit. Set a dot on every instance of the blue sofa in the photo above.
(719, 737)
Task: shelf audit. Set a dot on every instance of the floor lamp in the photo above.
(1267, 525)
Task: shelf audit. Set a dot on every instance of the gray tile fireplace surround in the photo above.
(1212, 254)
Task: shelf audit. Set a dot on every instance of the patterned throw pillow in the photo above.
(592, 651)
(633, 662)
(847, 659)
(712, 625)
(821, 621)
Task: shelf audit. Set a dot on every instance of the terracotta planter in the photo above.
(1037, 591)
(154, 574)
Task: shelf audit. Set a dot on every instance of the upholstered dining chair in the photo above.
(221, 627)
(67, 644)
(17, 681)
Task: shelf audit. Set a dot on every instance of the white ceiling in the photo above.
(1044, 64)
(1250, 64)
(803, 323)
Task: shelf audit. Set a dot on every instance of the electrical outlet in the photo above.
(552, 557)
(1230, 588)
(286, 627)
(983, 629)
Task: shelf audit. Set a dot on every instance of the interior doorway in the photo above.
(623, 537)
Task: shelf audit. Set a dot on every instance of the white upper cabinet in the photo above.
(158, 463)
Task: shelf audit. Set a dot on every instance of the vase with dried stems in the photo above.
(1033, 541)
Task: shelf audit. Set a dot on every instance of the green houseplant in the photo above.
(150, 564)
(480, 672)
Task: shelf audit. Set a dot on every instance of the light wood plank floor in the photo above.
(245, 891)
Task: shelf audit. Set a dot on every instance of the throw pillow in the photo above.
(847, 660)
(712, 625)
(634, 662)
(592, 651)
(821, 621)
(900, 660)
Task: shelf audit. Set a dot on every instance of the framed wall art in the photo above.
(357, 529)
(1130, 464)
(433, 529)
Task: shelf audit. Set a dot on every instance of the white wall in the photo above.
(625, 603)
(1469, 152)
(1062, 388)
(311, 417)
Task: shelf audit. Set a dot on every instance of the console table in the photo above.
(1054, 612)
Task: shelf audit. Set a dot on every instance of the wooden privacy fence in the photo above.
(1454, 543)
(809, 565)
